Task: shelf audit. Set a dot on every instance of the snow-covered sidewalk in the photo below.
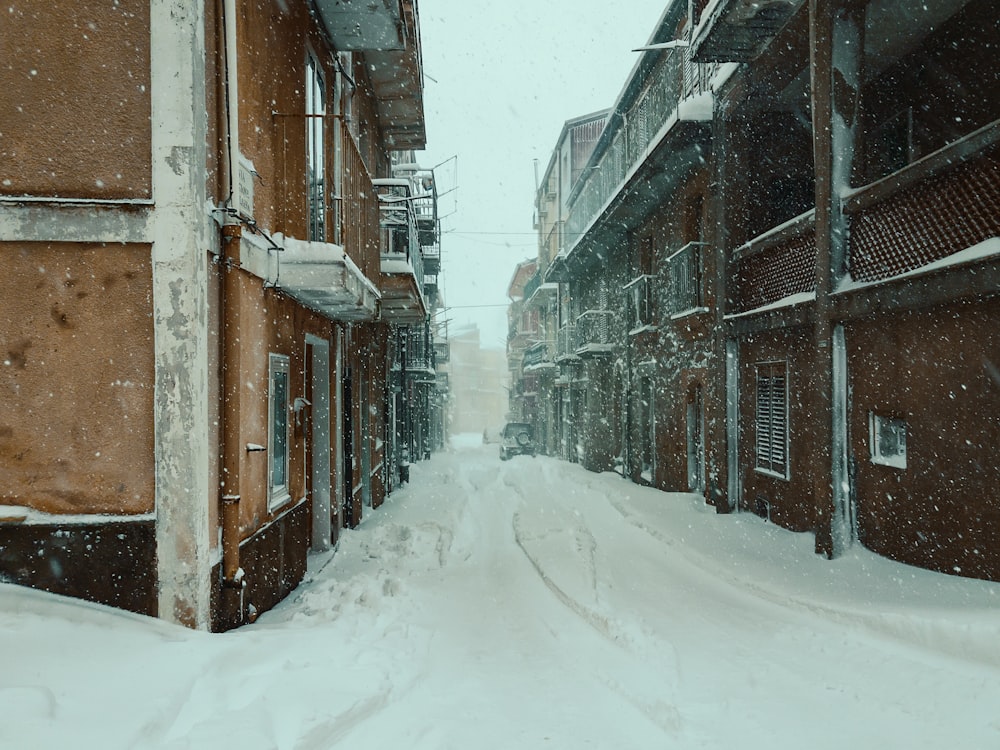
(531, 604)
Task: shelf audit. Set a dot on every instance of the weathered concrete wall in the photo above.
(76, 378)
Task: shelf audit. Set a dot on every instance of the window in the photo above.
(772, 418)
(315, 173)
(887, 440)
(277, 420)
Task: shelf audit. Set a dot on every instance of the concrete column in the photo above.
(837, 42)
(180, 235)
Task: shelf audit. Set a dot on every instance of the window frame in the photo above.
(777, 433)
(278, 492)
(315, 156)
(876, 421)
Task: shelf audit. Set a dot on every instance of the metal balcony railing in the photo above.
(639, 298)
(676, 79)
(685, 278)
(532, 285)
(566, 341)
(539, 353)
(358, 213)
(595, 331)
(398, 222)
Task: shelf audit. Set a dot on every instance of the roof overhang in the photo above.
(739, 30)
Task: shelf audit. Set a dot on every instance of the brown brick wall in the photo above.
(943, 510)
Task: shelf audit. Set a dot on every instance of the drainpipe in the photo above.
(232, 575)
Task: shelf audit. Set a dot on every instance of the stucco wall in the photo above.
(76, 378)
(78, 74)
(273, 324)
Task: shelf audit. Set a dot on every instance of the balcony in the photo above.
(388, 33)
(442, 352)
(419, 355)
(739, 30)
(685, 288)
(777, 267)
(595, 333)
(566, 343)
(430, 284)
(539, 356)
(532, 286)
(425, 208)
(646, 149)
(926, 211)
(319, 275)
(432, 259)
(402, 270)
(639, 298)
(537, 292)
(354, 25)
(424, 201)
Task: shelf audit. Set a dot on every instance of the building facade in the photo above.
(478, 384)
(204, 293)
(781, 262)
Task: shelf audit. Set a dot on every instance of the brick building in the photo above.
(791, 227)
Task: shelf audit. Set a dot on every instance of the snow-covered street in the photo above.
(531, 604)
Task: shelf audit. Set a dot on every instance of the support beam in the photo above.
(837, 46)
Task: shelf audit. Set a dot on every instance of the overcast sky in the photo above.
(501, 80)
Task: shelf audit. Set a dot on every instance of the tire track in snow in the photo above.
(557, 532)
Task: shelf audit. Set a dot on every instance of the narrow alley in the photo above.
(531, 604)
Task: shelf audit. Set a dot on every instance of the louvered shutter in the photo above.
(772, 418)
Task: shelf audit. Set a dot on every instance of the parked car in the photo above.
(492, 435)
(518, 438)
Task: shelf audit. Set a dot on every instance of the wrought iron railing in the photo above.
(359, 210)
(639, 299)
(532, 285)
(595, 330)
(684, 278)
(566, 341)
(539, 353)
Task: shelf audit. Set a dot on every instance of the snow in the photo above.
(530, 604)
(396, 265)
(799, 298)
(697, 108)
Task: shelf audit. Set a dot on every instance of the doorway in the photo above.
(316, 430)
(696, 440)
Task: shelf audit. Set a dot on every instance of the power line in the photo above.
(460, 231)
